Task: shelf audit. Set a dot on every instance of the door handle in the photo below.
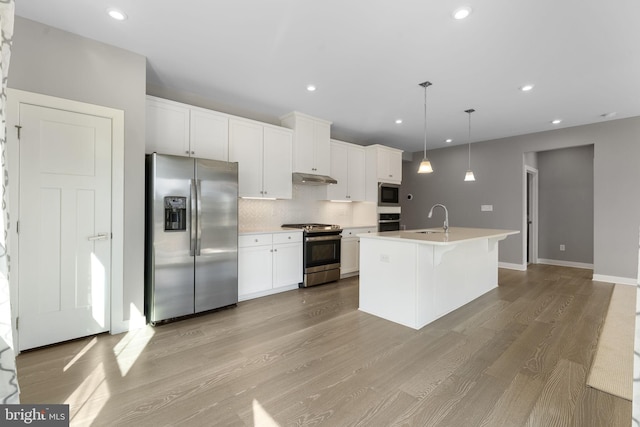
(198, 216)
(99, 236)
(192, 225)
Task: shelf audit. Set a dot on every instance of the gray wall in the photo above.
(565, 204)
(498, 167)
(49, 61)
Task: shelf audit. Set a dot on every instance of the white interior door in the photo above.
(64, 225)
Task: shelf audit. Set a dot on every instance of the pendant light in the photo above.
(425, 164)
(469, 175)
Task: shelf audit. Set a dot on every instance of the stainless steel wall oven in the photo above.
(388, 222)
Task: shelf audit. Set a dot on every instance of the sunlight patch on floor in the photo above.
(86, 402)
(130, 346)
(261, 418)
(81, 353)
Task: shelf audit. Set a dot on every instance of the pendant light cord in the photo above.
(469, 111)
(425, 85)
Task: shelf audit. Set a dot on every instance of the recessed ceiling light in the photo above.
(526, 88)
(398, 121)
(556, 122)
(311, 88)
(116, 14)
(608, 115)
(461, 12)
(448, 140)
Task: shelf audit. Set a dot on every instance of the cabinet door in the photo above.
(322, 149)
(167, 127)
(304, 149)
(277, 163)
(209, 135)
(255, 269)
(245, 147)
(287, 264)
(395, 166)
(356, 174)
(389, 166)
(349, 255)
(339, 171)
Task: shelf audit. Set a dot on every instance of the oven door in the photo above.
(321, 251)
(388, 222)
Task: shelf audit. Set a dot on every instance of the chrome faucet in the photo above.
(446, 216)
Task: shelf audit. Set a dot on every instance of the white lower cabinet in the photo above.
(350, 250)
(268, 263)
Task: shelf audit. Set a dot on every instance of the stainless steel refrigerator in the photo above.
(191, 251)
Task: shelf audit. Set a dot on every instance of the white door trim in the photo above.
(534, 223)
(14, 99)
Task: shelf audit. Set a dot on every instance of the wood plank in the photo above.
(516, 356)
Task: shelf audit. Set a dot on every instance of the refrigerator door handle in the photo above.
(192, 226)
(198, 216)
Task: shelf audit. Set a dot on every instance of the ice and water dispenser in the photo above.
(175, 213)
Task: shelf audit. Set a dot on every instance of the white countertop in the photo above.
(437, 236)
(267, 230)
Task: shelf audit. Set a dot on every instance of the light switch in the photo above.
(486, 208)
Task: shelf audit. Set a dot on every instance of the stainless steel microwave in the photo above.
(388, 194)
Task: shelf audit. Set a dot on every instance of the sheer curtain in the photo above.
(9, 392)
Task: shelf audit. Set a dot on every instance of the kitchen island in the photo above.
(414, 277)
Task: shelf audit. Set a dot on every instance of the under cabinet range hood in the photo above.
(310, 179)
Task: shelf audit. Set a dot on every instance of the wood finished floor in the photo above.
(517, 356)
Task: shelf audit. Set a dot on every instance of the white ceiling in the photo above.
(367, 57)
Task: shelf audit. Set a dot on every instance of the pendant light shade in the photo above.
(469, 175)
(425, 164)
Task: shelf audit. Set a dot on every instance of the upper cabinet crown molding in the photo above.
(311, 149)
(184, 130)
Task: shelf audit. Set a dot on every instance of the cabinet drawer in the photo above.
(353, 232)
(293, 237)
(249, 240)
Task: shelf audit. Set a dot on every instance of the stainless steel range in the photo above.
(321, 253)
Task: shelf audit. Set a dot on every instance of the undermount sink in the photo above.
(429, 231)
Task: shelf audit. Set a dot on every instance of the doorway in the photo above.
(531, 215)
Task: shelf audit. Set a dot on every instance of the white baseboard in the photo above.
(247, 297)
(615, 279)
(511, 266)
(565, 263)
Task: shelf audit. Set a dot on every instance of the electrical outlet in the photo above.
(562, 247)
(384, 258)
(486, 208)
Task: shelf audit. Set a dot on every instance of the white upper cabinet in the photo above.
(209, 134)
(245, 147)
(167, 130)
(348, 168)
(311, 152)
(183, 130)
(263, 153)
(384, 164)
(278, 162)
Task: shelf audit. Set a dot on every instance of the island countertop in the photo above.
(437, 236)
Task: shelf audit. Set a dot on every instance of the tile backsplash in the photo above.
(305, 206)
